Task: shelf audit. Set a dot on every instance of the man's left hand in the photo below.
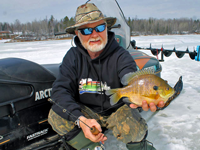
(151, 106)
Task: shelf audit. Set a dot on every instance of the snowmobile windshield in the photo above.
(110, 8)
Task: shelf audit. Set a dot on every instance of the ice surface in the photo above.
(175, 128)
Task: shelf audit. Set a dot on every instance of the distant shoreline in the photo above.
(68, 38)
(15, 41)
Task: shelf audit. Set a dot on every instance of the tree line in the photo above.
(164, 26)
(47, 27)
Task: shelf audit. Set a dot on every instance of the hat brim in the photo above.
(109, 20)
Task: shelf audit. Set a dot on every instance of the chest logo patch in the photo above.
(89, 86)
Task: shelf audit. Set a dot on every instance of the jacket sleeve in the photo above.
(126, 63)
(65, 88)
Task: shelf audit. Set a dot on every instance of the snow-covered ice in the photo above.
(175, 128)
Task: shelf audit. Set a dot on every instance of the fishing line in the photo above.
(66, 111)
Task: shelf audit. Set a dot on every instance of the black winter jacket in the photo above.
(81, 78)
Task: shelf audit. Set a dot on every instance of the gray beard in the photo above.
(94, 48)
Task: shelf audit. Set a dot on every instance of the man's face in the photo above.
(96, 41)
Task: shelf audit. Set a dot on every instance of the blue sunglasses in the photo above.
(88, 31)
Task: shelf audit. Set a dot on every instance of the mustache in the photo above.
(95, 39)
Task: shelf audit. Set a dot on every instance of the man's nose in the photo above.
(94, 34)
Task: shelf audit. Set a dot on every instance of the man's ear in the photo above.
(76, 32)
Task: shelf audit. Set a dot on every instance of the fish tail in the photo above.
(115, 97)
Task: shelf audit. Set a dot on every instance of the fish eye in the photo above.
(167, 89)
(155, 87)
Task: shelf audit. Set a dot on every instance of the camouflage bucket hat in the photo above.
(89, 13)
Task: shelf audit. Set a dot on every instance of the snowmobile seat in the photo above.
(23, 84)
(53, 68)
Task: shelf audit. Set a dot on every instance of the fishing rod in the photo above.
(195, 55)
(93, 129)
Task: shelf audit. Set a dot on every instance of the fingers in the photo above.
(88, 134)
(133, 106)
(96, 124)
(100, 137)
(161, 104)
(153, 107)
(90, 123)
(104, 139)
(96, 138)
(145, 106)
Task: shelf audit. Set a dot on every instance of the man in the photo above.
(96, 64)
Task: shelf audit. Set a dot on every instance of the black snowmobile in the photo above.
(25, 87)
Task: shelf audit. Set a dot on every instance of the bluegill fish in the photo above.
(141, 85)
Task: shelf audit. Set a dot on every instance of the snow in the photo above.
(3, 41)
(175, 128)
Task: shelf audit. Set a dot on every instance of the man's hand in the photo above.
(86, 130)
(146, 107)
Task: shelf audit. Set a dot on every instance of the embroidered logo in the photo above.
(89, 86)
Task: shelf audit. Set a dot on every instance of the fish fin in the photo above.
(114, 98)
(157, 96)
(153, 96)
(126, 100)
(129, 76)
(110, 92)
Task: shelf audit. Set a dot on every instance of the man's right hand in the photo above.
(86, 130)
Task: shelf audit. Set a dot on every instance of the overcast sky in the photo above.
(29, 10)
